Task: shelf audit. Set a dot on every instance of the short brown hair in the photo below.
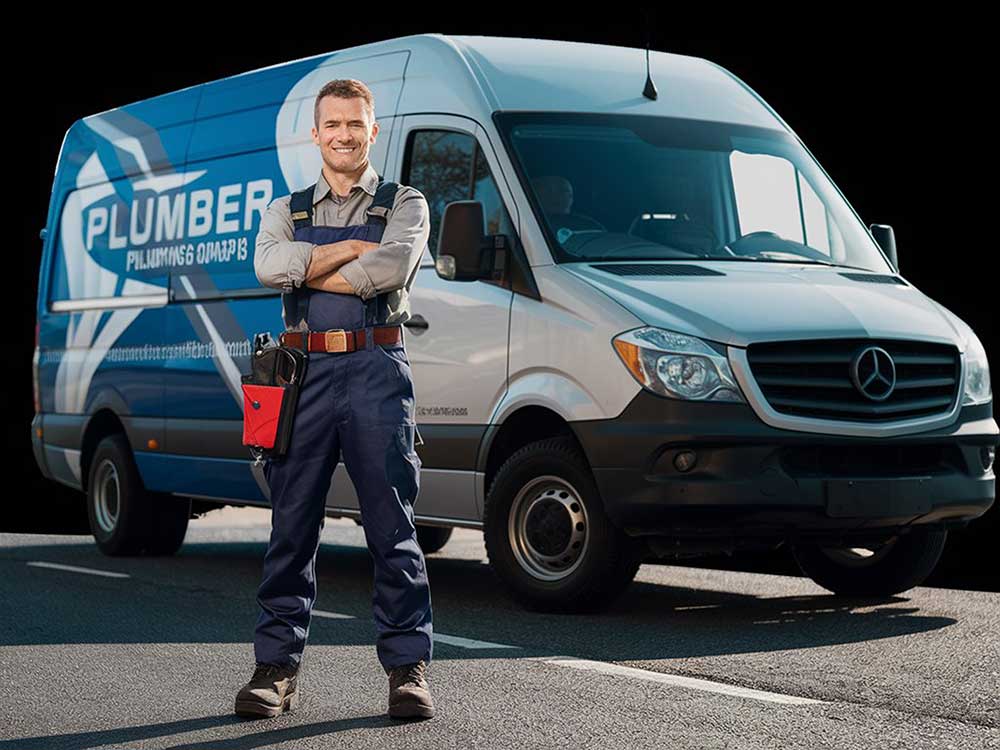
(345, 88)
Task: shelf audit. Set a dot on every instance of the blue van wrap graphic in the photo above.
(158, 203)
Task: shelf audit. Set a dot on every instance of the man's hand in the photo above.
(365, 247)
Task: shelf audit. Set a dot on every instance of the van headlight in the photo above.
(677, 365)
(976, 389)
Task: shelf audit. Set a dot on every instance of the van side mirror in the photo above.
(464, 252)
(884, 236)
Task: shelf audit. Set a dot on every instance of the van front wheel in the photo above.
(897, 565)
(548, 539)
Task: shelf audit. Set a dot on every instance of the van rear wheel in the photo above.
(899, 564)
(125, 518)
(170, 523)
(432, 538)
(119, 515)
(548, 539)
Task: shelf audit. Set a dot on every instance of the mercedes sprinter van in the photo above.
(646, 324)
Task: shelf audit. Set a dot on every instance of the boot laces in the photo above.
(265, 670)
(409, 674)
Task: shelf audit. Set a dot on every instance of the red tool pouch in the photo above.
(261, 412)
(270, 396)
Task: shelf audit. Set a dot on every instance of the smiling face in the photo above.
(345, 133)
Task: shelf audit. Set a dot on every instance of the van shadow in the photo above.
(218, 582)
(649, 622)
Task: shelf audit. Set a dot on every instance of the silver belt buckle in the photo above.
(336, 340)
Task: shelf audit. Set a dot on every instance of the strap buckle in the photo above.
(336, 340)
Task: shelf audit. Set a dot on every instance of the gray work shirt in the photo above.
(280, 261)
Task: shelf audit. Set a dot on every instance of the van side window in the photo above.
(772, 195)
(441, 169)
(447, 166)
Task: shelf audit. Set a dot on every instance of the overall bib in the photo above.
(360, 406)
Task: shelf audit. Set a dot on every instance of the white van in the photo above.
(647, 324)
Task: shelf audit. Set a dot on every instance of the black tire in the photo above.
(432, 538)
(903, 562)
(542, 557)
(117, 504)
(170, 523)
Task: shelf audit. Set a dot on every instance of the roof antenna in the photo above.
(650, 90)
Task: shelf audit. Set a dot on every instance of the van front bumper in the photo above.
(750, 480)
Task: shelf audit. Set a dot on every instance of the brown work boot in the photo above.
(272, 689)
(409, 695)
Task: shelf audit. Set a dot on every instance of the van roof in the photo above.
(474, 75)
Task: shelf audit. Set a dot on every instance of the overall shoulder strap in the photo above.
(385, 196)
(301, 207)
(294, 303)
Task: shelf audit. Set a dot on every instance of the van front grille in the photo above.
(817, 378)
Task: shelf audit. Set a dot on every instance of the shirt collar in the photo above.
(367, 182)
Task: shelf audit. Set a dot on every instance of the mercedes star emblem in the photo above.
(874, 373)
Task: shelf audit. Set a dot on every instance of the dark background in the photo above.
(894, 109)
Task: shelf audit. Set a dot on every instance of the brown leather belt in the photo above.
(338, 339)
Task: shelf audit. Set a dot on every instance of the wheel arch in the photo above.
(103, 423)
(524, 425)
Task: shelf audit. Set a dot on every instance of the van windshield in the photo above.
(640, 187)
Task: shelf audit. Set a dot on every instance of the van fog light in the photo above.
(685, 460)
(986, 454)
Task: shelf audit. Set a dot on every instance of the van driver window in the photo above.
(447, 166)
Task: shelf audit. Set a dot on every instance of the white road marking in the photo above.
(75, 569)
(692, 683)
(454, 640)
(332, 615)
(451, 640)
(696, 606)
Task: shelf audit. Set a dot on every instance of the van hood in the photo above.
(763, 301)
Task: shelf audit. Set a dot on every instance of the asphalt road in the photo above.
(689, 658)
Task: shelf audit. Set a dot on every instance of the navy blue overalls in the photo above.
(360, 405)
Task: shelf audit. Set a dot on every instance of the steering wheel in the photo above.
(727, 247)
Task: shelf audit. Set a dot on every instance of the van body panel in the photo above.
(64, 465)
(459, 361)
(773, 301)
(561, 354)
(141, 141)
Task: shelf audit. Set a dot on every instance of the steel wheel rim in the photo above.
(859, 557)
(107, 496)
(548, 528)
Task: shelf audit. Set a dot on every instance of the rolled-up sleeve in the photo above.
(278, 260)
(391, 264)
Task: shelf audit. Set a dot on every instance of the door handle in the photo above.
(417, 323)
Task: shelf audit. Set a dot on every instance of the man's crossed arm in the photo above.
(349, 266)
